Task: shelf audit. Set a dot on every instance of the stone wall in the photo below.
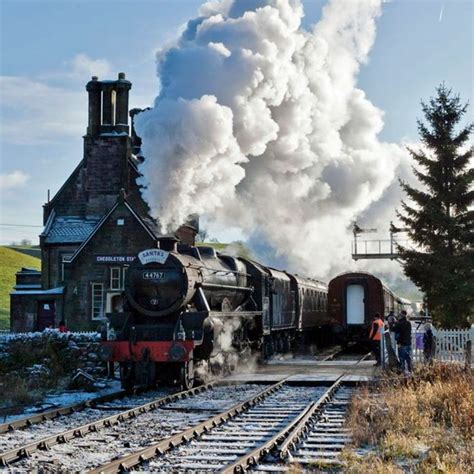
(76, 350)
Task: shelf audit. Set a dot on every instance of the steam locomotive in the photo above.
(190, 306)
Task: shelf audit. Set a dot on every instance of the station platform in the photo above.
(310, 370)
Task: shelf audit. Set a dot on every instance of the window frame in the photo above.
(100, 316)
(118, 279)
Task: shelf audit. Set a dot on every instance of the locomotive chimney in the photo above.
(168, 243)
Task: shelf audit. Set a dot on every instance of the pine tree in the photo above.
(439, 215)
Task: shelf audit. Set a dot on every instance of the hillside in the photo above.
(11, 261)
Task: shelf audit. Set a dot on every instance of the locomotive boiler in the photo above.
(187, 305)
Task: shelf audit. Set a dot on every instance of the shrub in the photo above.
(429, 418)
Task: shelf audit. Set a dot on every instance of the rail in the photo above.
(131, 460)
(66, 410)
(285, 437)
(17, 453)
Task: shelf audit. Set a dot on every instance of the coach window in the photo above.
(97, 308)
(115, 278)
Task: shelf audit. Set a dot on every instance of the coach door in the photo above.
(355, 304)
(46, 313)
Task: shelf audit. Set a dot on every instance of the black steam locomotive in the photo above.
(186, 306)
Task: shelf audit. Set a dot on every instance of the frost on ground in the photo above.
(19, 437)
(109, 443)
(62, 399)
(242, 433)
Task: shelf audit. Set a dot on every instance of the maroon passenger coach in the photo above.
(354, 298)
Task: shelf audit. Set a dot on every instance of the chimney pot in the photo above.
(95, 105)
(121, 75)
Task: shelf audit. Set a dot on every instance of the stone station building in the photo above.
(94, 226)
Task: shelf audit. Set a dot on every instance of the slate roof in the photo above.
(70, 229)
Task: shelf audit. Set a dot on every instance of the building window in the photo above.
(97, 300)
(116, 282)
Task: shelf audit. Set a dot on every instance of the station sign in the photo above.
(124, 259)
(153, 256)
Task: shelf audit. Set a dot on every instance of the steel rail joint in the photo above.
(26, 450)
(157, 449)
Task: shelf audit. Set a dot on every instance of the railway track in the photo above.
(54, 413)
(281, 425)
(203, 429)
(82, 447)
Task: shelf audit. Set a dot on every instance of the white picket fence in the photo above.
(451, 345)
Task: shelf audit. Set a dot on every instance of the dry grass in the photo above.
(423, 424)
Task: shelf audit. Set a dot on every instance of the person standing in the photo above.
(62, 326)
(391, 320)
(428, 344)
(403, 335)
(375, 336)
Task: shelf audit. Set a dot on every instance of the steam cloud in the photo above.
(259, 124)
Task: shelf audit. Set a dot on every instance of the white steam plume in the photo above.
(259, 124)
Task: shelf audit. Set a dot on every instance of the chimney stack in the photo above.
(122, 87)
(108, 106)
(93, 87)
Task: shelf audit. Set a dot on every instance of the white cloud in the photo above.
(13, 180)
(50, 107)
(33, 112)
(83, 66)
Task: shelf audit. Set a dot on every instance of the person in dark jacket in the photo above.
(403, 335)
(428, 344)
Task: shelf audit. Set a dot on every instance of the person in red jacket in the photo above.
(62, 326)
(375, 336)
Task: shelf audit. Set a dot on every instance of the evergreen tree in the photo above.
(439, 215)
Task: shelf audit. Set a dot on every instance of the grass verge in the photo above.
(11, 262)
(424, 424)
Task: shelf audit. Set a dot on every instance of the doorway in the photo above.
(355, 304)
(46, 315)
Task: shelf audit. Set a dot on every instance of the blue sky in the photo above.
(49, 50)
